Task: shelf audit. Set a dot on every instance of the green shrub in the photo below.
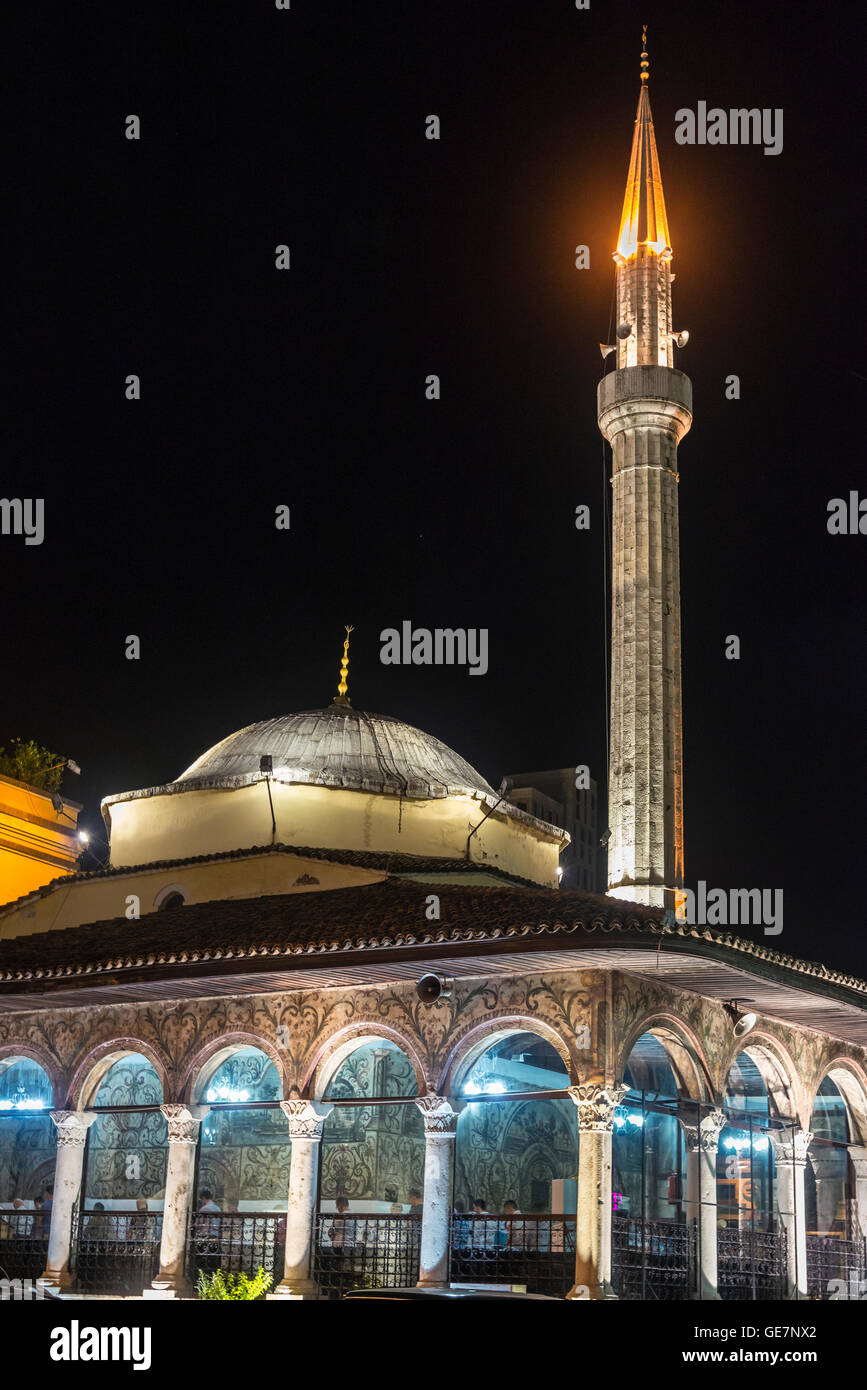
(233, 1286)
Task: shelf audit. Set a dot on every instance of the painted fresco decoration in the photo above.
(375, 1152)
(126, 1152)
(299, 1028)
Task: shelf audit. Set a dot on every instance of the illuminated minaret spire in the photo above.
(644, 410)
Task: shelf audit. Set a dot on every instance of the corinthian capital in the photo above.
(72, 1126)
(596, 1104)
(183, 1122)
(791, 1145)
(437, 1113)
(306, 1117)
(705, 1136)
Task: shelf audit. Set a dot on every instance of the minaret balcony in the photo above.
(644, 397)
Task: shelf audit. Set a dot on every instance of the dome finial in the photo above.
(341, 698)
(645, 61)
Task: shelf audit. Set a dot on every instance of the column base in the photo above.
(706, 1296)
(584, 1293)
(168, 1288)
(54, 1280)
(294, 1290)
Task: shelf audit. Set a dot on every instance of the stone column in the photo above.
(72, 1127)
(440, 1128)
(306, 1120)
(858, 1155)
(183, 1123)
(790, 1155)
(596, 1105)
(702, 1143)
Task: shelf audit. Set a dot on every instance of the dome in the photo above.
(338, 747)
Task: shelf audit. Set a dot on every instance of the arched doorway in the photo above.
(242, 1173)
(27, 1159)
(653, 1244)
(752, 1240)
(516, 1166)
(836, 1253)
(116, 1236)
(372, 1170)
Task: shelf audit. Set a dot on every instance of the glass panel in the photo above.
(28, 1141)
(520, 1062)
(830, 1209)
(248, 1075)
(244, 1160)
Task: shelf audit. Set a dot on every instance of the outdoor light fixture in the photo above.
(83, 837)
(266, 763)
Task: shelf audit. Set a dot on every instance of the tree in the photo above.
(29, 762)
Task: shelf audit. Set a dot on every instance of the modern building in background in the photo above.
(552, 796)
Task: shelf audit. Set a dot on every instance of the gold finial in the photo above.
(645, 63)
(341, 698)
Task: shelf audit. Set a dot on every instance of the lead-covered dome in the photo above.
(338, 747)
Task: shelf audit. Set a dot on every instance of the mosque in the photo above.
(327, 1012)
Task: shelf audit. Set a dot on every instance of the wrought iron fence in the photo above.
(836, 1267)
(751, 1264)
(236, 1243)
(23, 1244)
(534, 1252)
(366, 1251)
(115, 1252)
(652, 1260)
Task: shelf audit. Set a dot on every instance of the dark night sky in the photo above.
(306, 388)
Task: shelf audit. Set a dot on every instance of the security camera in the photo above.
(624, 330)
(430, 988)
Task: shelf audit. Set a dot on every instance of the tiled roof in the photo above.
(384, 861)
(384, 916)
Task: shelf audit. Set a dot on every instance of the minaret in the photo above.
(644, 410)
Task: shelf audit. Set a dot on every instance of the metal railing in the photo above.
(364, 1251)
(23, 1244)
(236, 1243)
(532, 1252)
(652, 1260)
(836, 1267)
(751, 1264)
(115, 1252)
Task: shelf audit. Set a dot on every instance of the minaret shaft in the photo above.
(645, 409)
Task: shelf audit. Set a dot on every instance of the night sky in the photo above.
(306, 388)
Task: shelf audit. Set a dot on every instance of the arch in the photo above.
(333, 1052)
(10, 1052)
(97, 1061)
(851, 1082)
(217, 1051)
(778, 1072)
(478, 1039)
(683, 1049)
(167, 891)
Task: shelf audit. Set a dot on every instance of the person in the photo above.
(514, 1229)
(98, 1225)
(341, 1232)
(416, 1205)
(140, 1224)
(484, 1229)
(42, 1220)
